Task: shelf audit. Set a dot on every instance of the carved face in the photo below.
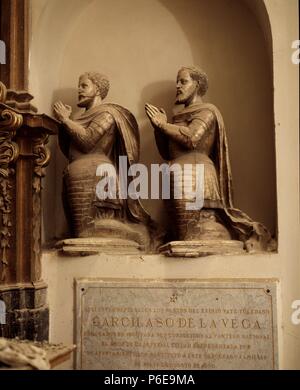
(87, 91)
(186, 87)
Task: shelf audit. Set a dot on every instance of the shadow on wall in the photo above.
(67, 96)
(160, 94)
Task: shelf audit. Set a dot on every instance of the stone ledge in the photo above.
(95, 245)
(202, 248)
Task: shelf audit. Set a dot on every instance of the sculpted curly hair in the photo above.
(198, 75)
(100, 80)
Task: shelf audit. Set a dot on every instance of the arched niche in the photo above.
(140, 44)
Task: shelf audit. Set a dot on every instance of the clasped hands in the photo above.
(62, 111)
(157, 116)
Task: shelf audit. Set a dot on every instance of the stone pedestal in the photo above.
(96, 245)
(24, 156)
(202, 248)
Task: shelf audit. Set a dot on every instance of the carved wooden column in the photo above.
(14, 26)
(23, 158)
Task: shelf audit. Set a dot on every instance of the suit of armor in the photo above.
(197, 136)
(99, 136)
(193, 141)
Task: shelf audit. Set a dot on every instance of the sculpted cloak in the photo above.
(123, 140)
(254, 234)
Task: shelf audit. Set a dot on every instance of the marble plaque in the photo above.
(186, 325)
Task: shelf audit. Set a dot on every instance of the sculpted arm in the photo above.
(86, 138)
(188, 136)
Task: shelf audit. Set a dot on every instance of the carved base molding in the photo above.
(27, 313)
(96, 245)
(202, 248)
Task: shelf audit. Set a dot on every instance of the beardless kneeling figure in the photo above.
(197, 136)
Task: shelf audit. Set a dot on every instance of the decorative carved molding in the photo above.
(42, 159)
(10, 122)
(3, 92)
(14, 31)
(9, 151)
(21, 168)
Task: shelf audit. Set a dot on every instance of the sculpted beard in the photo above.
(83, 100)
(180, 97)
(184, 94)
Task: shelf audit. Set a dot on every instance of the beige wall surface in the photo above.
(285, 29)
(140, 45)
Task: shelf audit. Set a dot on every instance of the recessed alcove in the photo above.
(140, 45)
(244, 46)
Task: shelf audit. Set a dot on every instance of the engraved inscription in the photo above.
(126, 325)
